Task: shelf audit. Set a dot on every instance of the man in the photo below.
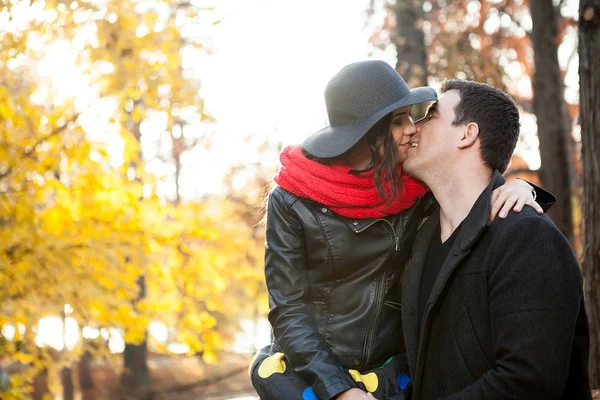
(490, 311)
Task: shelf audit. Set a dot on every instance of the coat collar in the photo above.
(472, 228)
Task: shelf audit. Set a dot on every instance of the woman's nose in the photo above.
(410, 130)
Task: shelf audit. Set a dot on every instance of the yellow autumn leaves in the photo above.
(80, 225)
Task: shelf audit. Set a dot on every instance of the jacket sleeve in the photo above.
(535, 290)
(291, 313)
(544, 198)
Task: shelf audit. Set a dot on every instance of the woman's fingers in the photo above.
(535, 206)
(497, 203)
(512, 196)
(519, 204)
(509, 203)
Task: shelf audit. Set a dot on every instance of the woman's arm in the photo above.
(518, 193)
(291, 315)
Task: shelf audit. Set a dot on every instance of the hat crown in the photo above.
(361, 89)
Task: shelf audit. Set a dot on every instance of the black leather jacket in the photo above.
(334, 287)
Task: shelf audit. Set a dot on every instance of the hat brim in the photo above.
(334, 141)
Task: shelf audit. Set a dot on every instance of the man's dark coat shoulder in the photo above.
(505, 318)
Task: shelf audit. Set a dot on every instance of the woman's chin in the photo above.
(401, 155)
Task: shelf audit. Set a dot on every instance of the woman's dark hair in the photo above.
(386, 170)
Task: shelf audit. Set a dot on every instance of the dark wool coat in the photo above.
(505, 318)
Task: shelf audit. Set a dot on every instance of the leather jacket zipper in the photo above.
(379, 291)
(395, 234)
(379, 295)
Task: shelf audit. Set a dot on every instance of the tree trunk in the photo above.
(554, 127)
(66, 378)
(136, 379)
(409, 40)
(84, 372)
(589, 92)
(66, 375)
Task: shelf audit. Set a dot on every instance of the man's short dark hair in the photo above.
(496, 114)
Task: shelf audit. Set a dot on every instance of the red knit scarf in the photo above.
(350, 195)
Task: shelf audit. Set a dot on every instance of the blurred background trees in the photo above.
(103, 120)
(84, 232)
(511, 44)
(589, 65)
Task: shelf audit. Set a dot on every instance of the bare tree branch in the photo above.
(516, 22)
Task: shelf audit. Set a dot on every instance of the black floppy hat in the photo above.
(358, 96)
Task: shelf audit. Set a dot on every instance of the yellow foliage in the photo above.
(209, 357)
(78, 228)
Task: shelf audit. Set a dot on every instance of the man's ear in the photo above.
(470, 135)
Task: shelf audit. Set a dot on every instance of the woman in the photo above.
(340, 226)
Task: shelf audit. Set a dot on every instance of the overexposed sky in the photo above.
(265, 79)
(273, 59)
(271, 62)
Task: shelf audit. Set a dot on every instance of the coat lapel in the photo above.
(472, 228)
(411, 285)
